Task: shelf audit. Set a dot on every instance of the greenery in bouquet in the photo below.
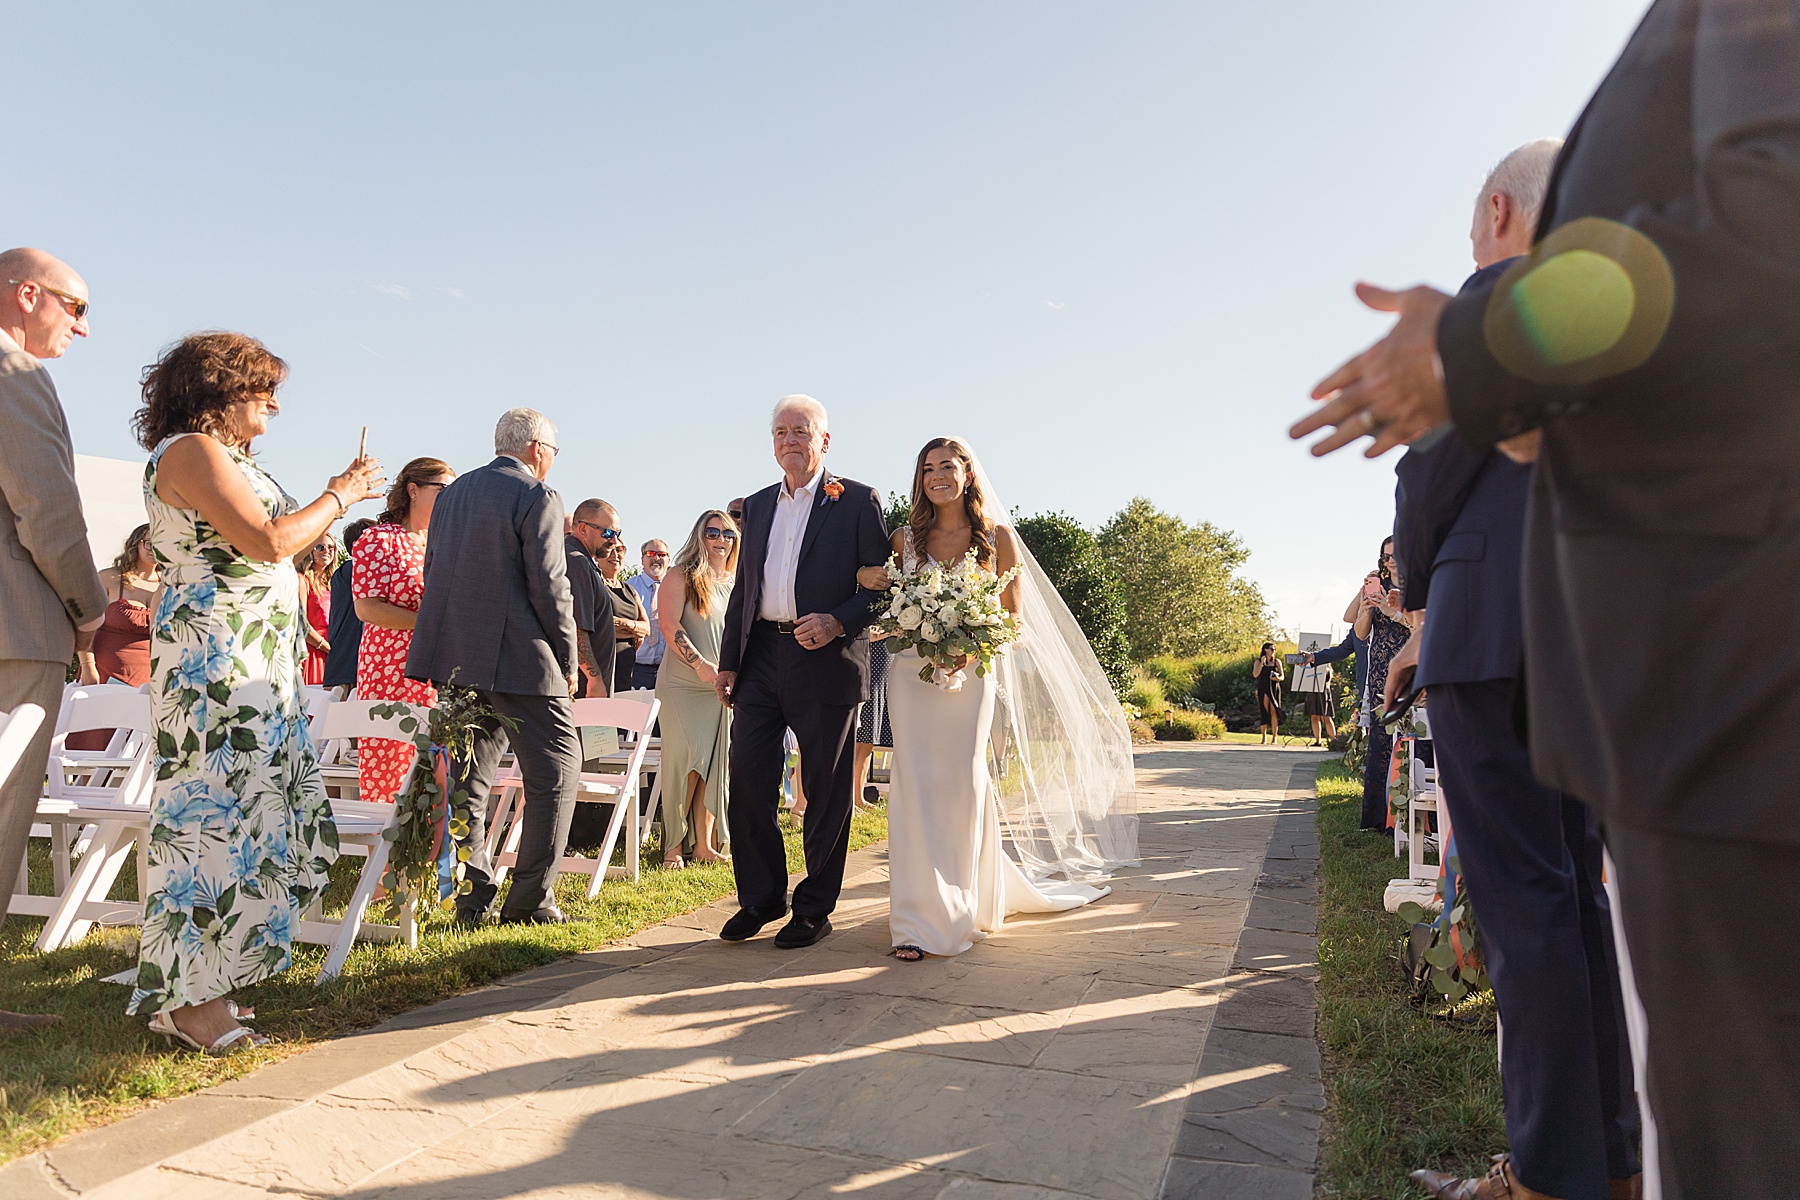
(951, 614)
(427, 816)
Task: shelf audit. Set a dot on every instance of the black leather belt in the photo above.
(786, 627)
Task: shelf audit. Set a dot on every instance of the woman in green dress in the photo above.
(241, 836)
(696, 727)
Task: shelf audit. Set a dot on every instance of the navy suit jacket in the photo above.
(497, 611)
(1474, 628)
(344, 632)
(842, 536)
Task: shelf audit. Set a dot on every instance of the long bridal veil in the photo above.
(1060, 752)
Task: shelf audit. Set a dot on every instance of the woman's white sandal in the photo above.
(229, 1043)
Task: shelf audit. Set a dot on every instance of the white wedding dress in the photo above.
(952, 881)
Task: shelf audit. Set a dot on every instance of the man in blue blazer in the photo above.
(497, 616)
(795, 655)
(1530, 855)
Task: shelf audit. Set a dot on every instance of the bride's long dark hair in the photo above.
(924, 512)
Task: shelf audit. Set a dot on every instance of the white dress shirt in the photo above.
(792, 511)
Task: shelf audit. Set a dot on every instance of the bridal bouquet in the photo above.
(952, 614)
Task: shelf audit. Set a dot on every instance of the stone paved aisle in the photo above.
(1157, 1043)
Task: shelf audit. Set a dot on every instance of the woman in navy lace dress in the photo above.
(1384, 625)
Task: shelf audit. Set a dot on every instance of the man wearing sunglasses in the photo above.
(54, 600)
(593, 601)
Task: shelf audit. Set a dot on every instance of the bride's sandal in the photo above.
(233, 1040)
(908, 953)
(674, 862)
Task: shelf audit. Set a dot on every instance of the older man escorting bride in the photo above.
(1041, 740)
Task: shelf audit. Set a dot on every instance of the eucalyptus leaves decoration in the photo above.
(433, 814)
(1457, 968)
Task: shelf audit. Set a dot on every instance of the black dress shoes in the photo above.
(802, 931)
(746, 923)
(469, 918)
(547, 915)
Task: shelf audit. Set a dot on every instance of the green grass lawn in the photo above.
(1403, 1090)
(99, 1064)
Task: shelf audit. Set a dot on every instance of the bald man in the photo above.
(53, 594)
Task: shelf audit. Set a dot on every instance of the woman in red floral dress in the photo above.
(386, 581)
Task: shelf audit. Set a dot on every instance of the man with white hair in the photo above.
(54, 600)
(795, 656)
(497, 616)
(1530, 855)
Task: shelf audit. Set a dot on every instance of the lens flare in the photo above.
(1591, 300)
(1574, 306)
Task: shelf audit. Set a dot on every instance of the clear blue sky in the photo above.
(1110, 243)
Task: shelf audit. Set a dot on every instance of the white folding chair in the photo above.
(362, 826)
(1424, 799)
(620, 789)
(16, 728)
(337, 764)
(104, 795)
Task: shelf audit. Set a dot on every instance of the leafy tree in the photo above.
(1071, 558)
(899, 509)
(1182, 594)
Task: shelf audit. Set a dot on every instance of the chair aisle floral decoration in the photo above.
(430, 836)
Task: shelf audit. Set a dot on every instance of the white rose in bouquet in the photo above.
(910, 617)
(931, 631)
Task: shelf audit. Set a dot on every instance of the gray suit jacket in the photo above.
(497, 613)
(46, 570)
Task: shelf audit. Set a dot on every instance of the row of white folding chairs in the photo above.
(115, 816)
(97, 803)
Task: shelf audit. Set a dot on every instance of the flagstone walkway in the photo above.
(1158, 1043)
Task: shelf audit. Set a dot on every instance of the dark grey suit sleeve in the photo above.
(1735, 234)
(547, 575)
(872, 549)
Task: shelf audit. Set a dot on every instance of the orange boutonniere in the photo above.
(832, 489)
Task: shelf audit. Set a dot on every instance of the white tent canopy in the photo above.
(112, 502)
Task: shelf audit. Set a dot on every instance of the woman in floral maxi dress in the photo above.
(241, 835)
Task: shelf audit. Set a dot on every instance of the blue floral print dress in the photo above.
(241, 835)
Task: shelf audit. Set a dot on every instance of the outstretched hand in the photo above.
(1391, 392)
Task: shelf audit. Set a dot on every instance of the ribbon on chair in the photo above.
(1452, 885)
(443, 847)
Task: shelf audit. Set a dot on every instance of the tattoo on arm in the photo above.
(584, 649)
(686, 649)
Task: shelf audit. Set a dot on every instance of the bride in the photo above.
(1040, 743)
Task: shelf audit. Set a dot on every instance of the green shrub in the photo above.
(1147, 693)
(1175, 674)
(1186, 725)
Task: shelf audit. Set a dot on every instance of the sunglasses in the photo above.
(606, 535)
(76, 306)
(720, 535)
(736, 514)
(656, 554)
